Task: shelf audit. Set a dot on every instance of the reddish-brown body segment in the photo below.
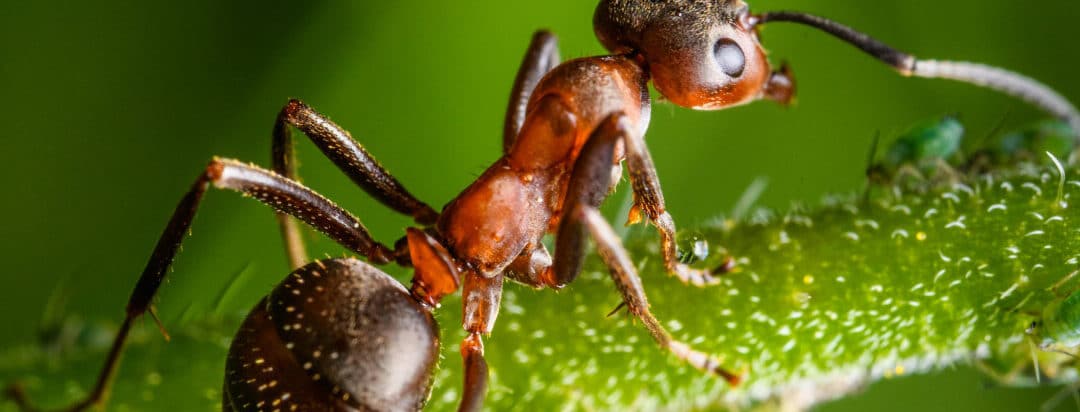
(507, 210)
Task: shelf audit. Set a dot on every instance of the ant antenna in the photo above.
(1010, 83)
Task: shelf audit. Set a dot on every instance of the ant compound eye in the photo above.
(730, 57)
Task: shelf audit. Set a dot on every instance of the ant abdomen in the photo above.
(336, 334)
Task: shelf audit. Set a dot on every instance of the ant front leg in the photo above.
(541, 57)
(349, 156)
(629, 285)
(649, 199)
(588, 186)
(284, 195)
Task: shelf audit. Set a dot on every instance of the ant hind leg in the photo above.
(284, 195)
(349, 156)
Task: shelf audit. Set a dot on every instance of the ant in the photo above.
(341, 334)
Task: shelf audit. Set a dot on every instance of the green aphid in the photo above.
(1055, 330)
(1032, 141)
(923, 148)
(1059, 322)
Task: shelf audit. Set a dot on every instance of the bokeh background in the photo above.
(111, 109)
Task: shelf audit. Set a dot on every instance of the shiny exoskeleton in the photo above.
(341, 335)
(343, 323)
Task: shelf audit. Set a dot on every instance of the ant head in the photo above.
(702, 54)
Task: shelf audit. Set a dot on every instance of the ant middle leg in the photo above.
(541, 56)
(349, 156)
(284, 195)
(481, 298)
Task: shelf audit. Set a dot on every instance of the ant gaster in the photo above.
(314, 342)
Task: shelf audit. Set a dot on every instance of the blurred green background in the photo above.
(110, 110)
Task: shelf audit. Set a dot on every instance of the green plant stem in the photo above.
(824, 300)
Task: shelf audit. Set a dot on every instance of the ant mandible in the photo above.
(368, 343)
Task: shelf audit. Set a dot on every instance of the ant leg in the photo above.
(528, 268)
(587, 188)
(349, 156)
(649, 199)
(288, 196)
(282, 194)
(629, 285)
(481, 297)
(540, 58)
(476, 374)
(589, 184)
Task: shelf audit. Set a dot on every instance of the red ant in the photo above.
(340, 334)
